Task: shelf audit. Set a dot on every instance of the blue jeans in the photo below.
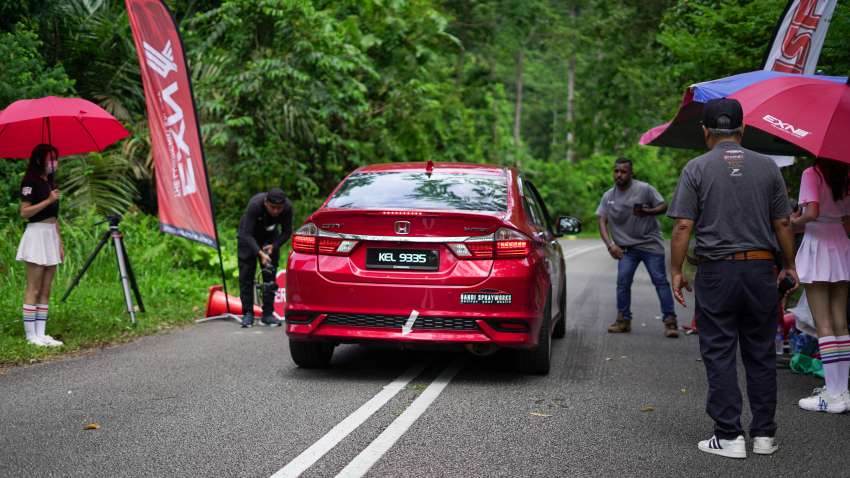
(656, 267)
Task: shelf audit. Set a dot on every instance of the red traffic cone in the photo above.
(216, 304)
(280, 294)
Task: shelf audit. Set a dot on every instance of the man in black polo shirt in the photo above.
(265, 226)
(736, 198)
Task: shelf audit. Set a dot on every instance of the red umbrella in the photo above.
(72, 125)
(786, 114)
(810, 113)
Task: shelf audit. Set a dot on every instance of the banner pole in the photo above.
(775, 34)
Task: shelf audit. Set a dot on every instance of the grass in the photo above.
(173, 275)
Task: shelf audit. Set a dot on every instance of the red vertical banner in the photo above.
(799, 36)
(183, 195)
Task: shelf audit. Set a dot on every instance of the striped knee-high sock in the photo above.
(843, 343)
(40, 319)
(832, 353)
(29, 321)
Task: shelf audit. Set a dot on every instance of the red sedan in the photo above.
(423, 254)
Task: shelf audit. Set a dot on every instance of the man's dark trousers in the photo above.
(737, 301)
(247, 271)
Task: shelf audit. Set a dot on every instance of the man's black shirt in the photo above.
(257, 226)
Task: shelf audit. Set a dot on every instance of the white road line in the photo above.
(361, 464)
(583, 250)
(317, 450)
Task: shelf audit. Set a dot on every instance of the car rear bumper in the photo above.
(321, 309)
(486, 334)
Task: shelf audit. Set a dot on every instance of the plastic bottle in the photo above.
(779, 340)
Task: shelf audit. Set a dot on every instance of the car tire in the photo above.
(561, 327)
(537, 361)
(308, 354)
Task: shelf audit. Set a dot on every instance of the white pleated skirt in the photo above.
(824, 254)
(40, 244)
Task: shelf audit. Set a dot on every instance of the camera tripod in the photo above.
(128, 279)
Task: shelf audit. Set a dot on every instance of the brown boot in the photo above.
(620, 326)
(671, 327)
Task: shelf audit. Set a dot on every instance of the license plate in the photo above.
(404, 259)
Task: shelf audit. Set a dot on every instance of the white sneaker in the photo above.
(51, 342)
(764, 445)
(736, 448)
(821, 401)
(846, 397)
(36, 341)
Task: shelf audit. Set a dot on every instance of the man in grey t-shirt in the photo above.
(629, 228)
(737, 201)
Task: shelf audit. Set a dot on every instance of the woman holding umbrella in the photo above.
(41, 245)
(823, 264)
(43, 130)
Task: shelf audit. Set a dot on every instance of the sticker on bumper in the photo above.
(484, 298)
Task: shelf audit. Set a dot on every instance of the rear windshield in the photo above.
(415, 190)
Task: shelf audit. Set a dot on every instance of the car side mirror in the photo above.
(568, 225)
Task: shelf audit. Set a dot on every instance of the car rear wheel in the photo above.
(561, 327)
(311, 354)
(538, 360)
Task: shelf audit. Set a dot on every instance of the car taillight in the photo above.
(511, 244)
(333, 246)
(504, 244)
(308, 239)
(305, 240)
(473, 249)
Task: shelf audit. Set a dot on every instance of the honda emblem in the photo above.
(402, 227)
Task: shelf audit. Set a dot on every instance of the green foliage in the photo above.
(299, 93)
(576, 188)
(97, 182)
(708, 39)
(23, 71)
(23, 74)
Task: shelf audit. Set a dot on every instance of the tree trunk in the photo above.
(462, 37)
(493, 150)
(518, 103)
(571, 83)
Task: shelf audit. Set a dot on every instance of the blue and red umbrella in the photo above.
(785, 114)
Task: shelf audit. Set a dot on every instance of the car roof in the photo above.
(441, 167)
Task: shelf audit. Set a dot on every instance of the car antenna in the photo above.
(429, 168)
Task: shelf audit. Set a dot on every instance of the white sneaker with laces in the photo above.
(50, 341)
(36, 341)
(736, 448)
(764, 445)
(821, 401)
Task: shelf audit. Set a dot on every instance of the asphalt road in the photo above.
(217, 400)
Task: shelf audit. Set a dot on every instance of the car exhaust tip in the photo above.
(482, 350)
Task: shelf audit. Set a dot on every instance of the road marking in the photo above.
(317, 450)
(361, 464)
(583, 250)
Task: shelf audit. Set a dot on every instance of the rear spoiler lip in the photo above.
(420, 239)
(500, 214)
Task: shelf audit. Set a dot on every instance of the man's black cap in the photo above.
(276, 196)
(714, 111)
